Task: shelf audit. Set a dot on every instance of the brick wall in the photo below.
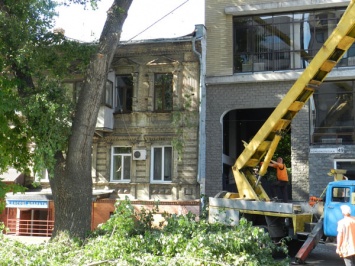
(219, 39)
(320, 165)
(299, 155)
(102, 209)
(220, 100)
(101, 212)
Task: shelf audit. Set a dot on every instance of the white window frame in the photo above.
(42, 177)
(161, 180)
(124, 155)
(107, 97)
(342, 160)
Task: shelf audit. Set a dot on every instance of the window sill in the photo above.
(155, 182)
(162, 112)
(118, 112)
(120, 181)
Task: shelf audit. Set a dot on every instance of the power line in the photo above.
(158, 20)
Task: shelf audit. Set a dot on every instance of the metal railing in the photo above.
(30, 227)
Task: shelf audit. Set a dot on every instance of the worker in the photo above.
(346, 236)
(282, 178)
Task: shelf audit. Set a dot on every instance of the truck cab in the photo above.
(338, 193)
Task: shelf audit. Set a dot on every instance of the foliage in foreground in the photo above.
(5, 188)
(124, 240)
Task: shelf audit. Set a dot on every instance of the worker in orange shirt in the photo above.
(346, 237)
(282, 178)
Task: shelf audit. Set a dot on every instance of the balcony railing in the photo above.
(30, 227)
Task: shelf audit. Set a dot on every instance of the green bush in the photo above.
(125, 240)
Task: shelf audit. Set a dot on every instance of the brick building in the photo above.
(146, 144)
(256, 50)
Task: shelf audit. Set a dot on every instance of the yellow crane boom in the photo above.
(267, 138)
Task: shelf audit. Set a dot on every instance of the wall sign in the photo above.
(38, 204)
(327, 150)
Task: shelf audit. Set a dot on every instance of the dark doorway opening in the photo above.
(239, 125)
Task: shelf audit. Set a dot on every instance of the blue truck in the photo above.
(304, 224)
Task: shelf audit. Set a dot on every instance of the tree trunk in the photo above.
(72, 184)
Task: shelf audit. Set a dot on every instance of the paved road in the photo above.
(324, 255)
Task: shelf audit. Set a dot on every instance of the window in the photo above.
(341, 194)
(121, 164)
(348, 165)
(283, 41)
(332, 113)
(162, 159)
(78, 86)
(42, 176)
(73, 89)
(163, 92)
(124, 88)
(107, 98)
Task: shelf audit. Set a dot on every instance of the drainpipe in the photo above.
(200, 34)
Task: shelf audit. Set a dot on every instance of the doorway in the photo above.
(239, 125)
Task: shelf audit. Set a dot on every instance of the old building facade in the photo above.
(256, 50)
(146, 144)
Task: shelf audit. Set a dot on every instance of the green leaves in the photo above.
(34, 106)
(22, 25)
(5, 188)
(184, 240)
(48, 117)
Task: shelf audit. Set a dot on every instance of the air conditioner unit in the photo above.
(139, 154)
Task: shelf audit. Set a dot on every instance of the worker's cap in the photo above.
(345, 209)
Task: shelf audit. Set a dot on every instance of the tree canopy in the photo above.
(34, 107)
(43, 126)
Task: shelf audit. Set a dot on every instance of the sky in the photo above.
(86, 25)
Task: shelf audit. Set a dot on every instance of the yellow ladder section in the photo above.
(266, 140)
